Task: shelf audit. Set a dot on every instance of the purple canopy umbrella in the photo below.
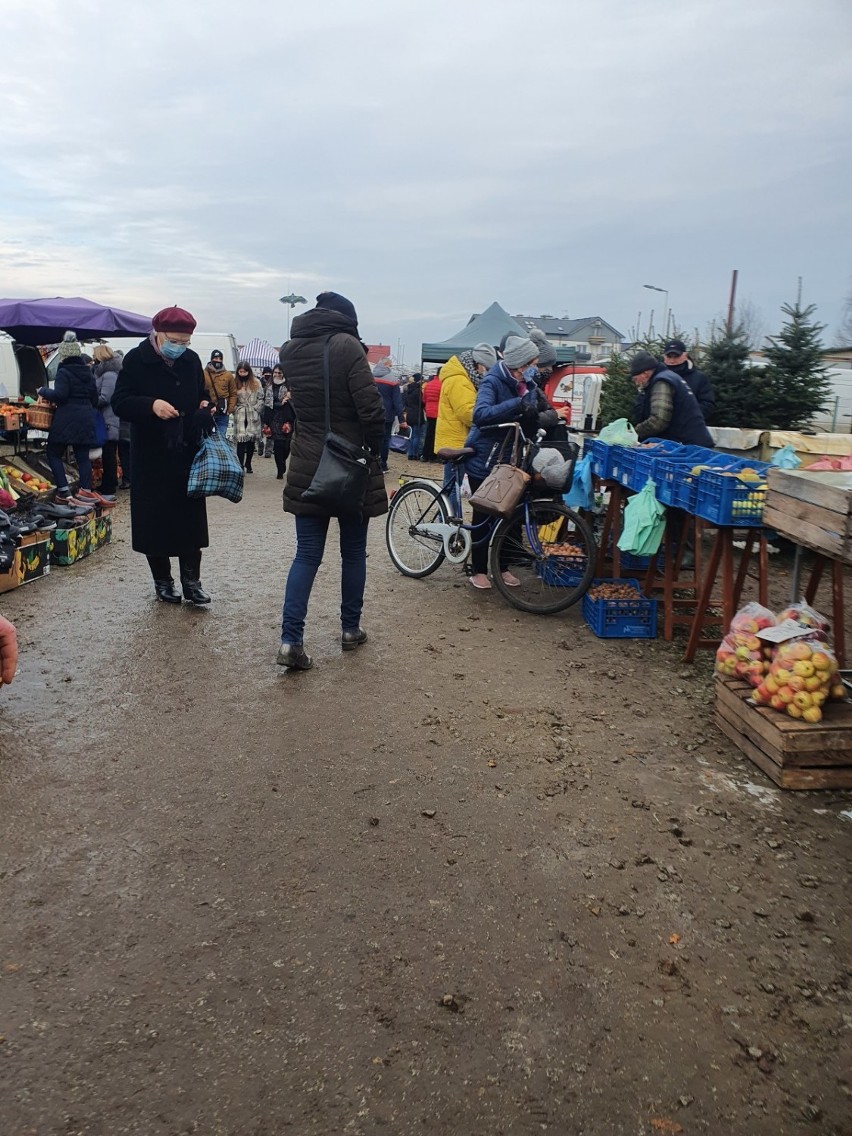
(37, 322)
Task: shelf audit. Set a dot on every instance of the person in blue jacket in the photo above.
(504, 395)
(388, 385)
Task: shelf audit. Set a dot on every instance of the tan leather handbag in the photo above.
(503, 489)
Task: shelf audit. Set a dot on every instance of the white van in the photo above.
(21, 368)
(203, 342)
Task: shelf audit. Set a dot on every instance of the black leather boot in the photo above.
(167, 591)
(190, 580)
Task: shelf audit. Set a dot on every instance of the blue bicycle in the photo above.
(545, 547)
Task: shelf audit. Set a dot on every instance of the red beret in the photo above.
(174, 319)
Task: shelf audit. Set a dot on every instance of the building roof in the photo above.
(552, 325)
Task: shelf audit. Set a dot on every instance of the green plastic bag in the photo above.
(619, 433)
(644, 522)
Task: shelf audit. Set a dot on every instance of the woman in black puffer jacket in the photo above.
(76, 397)
(357, 414)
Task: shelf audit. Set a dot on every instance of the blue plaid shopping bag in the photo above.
(216, 471)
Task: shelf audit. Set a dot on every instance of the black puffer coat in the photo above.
(356, 406)
(165, 522)
(76, 397)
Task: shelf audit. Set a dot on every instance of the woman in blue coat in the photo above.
(76, 397)
(504, 395)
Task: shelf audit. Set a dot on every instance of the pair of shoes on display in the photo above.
(105, 501)
(292, 655)
(349, 640)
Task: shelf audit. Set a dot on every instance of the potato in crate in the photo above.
(616, 609)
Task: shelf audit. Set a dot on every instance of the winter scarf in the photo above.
(469, 363)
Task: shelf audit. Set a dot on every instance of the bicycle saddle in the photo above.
(448, 455)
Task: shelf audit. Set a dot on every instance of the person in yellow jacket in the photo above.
(460, 377)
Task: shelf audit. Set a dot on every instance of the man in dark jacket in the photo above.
(666, 407)
(356, 413)
(388, 385)
(415, 416)
(677, 359)
(160, 392)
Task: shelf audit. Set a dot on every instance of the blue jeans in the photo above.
(311, 533)
(221, 421)
(415, 442)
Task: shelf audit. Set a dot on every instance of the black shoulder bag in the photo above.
(343, 473)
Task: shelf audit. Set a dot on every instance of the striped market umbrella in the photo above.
(259, 353)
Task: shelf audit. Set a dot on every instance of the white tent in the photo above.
(259, 353)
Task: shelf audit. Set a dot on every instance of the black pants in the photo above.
(281, 451)
(109, 481)
(124, 458)
(429, 440)
(190, 566)
(245, 452)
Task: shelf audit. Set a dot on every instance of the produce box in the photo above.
(71, 545)
(32, 558)
(813, 509)
(24, 476)
(732, 497)
(627, 614)
(793, 753)
(11, 578)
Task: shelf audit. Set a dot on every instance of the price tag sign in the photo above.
(789, 629)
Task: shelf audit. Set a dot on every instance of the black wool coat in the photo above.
(164, 521)
(76, 396)
(357, 412)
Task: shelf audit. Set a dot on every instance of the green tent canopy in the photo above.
(489, 326)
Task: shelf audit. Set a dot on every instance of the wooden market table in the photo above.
(814, 511)
(701, 597)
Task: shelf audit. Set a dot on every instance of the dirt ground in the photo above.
(486, 875)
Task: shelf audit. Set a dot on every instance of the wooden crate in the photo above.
(795, 754)
(813, 509)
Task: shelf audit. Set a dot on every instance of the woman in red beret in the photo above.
(160, 391)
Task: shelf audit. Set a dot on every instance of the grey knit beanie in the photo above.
(546, 350)
(519, 352)
(485, 354)
(69, 346)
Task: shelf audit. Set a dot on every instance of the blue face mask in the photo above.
(531, 373)
(172, 350)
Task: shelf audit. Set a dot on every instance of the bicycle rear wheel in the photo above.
(414, 552)
(549, 551)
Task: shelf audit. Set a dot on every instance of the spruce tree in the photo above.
(796, 382)
(618, 392)
(739, 389)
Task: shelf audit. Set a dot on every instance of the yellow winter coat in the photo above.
(455, 410)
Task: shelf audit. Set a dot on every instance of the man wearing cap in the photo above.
(504, 395)
(461, 377)
(221, 388)
(676, 358)
(666, 407)
(160, 392)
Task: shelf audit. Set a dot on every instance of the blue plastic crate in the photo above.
(641, 563)
(675, 485)
(561, 571)
(603, 457)
(725, 500)
(645, 461)
(621, 619)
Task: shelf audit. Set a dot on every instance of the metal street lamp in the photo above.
(654, 288)
(291, 302)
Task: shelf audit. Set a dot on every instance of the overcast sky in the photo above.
(426, 157)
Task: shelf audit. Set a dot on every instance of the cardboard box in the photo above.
(32, 559)
(71, 545)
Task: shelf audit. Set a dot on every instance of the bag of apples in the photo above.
(741, 654)
(802, 676)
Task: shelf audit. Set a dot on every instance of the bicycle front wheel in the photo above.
(415, 552)
(542, 558)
